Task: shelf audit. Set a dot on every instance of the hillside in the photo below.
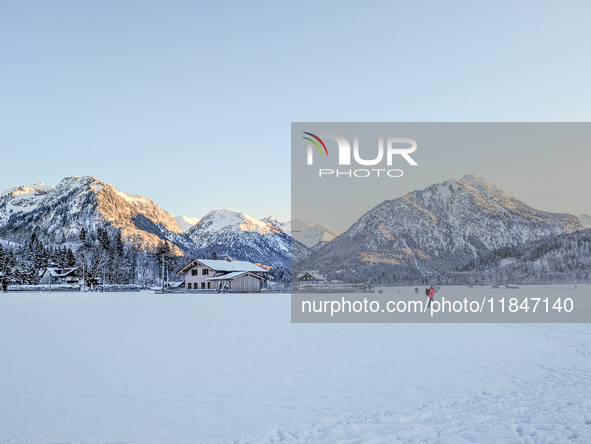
(59, 212)
(435, 230)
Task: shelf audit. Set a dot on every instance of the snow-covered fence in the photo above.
(117, 287)
(210, 291)
(334, 288)
(44, 287)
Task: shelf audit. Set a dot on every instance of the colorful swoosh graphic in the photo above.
(318, 139)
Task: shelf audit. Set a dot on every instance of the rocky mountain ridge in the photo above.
(61, 211)
(240, 235)
(434, 230)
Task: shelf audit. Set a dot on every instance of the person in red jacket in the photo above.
(432, 292)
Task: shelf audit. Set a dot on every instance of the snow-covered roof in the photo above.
(175, 284)
(224, 265)
(230, 276)
(316, 276)
(61, 272)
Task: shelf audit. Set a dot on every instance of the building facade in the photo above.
(223, 275)
(57, 275)
(310, 279)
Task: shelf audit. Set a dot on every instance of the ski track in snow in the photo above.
(538, 412)
(553, 409)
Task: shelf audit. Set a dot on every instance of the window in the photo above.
(194, 271)
(205, 271)
(203, 285)
(189, 286)
(209, 285)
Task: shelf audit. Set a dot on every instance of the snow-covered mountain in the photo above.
(560, 259)
(61, 211)
(310, 233)
(76, 202)
(238, 235)
(186, 223)
(435, 230)
(285, 226)
(585, 220)
(22, 200)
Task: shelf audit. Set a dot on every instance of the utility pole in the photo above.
(163, 273)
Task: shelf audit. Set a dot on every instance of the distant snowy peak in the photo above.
(218, 220)
(310, 233)
(22, 199)
(186, 223)
(285, 226)
(241, 236)
(485, 193)
(479, 182)
(27, 189)
(585, 219)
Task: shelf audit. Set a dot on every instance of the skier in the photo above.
(416, 290)
(432, 292)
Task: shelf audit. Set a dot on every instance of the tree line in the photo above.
(100, 256)
(557, 260)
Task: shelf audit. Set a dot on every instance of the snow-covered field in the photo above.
(146, 368)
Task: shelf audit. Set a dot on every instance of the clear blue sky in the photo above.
(190, 103)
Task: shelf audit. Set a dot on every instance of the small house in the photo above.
(175, 285)
(55, 275)
(238, 281)
(309, 278)
(223, 275)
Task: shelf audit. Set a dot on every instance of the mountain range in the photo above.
(227, 232)
(441, 229)
(585, 220)
(310, 234)
(435, 230)
(185, 223)
(58, 213)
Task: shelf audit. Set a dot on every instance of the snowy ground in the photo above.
(145, 368)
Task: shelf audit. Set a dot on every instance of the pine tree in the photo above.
(83, 235)
(104, 240)
(70, 259)
(3, 277)
(118, 243)
(33, 239)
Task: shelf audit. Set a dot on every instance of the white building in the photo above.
(57, 275)
(310, 279)
(223, 275)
